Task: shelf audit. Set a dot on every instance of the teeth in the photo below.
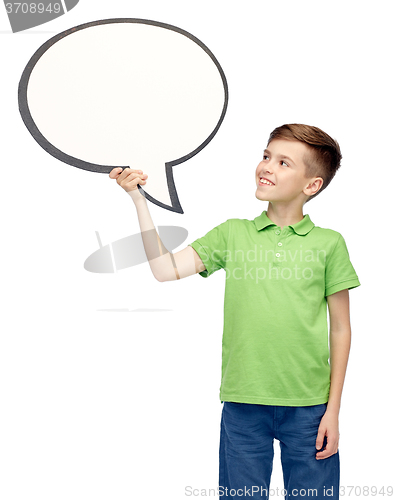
(264, 181)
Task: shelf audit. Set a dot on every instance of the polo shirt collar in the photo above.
(302, 227)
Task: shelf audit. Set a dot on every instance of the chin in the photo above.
(260, 197)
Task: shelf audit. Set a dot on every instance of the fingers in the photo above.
(320, 438)
(127, 178)
(329, 450)
(115, 172)
(325, 453)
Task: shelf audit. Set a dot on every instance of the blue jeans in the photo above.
(246, 452)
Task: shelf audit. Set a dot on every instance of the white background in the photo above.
(101, 401)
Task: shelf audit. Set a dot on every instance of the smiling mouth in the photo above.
(265, 182)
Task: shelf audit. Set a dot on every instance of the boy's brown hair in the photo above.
(325, 156)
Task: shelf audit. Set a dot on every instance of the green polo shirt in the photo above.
(275, 334)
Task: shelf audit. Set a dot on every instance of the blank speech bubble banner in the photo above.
(125, 93)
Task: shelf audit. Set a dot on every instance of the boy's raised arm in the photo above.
(165, 266)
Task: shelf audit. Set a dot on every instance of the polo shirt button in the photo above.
(277, 232)
(278, 254)
(279, 244)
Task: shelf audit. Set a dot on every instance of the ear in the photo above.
(314, 186)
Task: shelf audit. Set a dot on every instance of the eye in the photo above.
(265, 157)
(283, 163)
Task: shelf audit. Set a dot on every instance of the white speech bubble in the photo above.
(125, 93)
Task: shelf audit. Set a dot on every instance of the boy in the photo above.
(282, 272)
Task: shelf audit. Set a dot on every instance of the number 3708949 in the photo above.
(32, 8)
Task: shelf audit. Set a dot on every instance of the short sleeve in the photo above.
(212, 248)
(339, 272)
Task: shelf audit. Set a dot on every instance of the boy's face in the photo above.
(283, 164)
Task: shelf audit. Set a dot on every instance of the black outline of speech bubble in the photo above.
(93, 167)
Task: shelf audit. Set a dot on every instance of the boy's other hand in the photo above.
(329, 427)
(128, 179)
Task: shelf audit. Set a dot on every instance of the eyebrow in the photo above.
(280, 156)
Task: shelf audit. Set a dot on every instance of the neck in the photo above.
(284, 215)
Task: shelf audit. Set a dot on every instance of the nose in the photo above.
(266, 167)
